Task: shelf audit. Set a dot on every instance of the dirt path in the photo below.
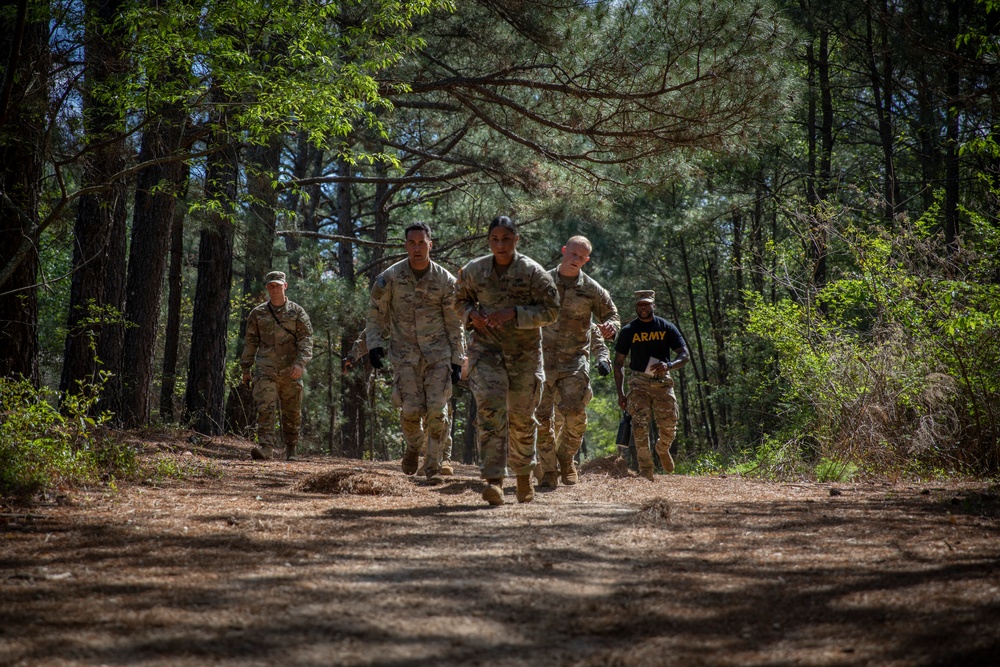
(336, 562)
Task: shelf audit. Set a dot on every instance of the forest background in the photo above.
(810, 187)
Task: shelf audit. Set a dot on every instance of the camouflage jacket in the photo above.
(525, 286)
(277, 338)
(417, 316)
(566, 343)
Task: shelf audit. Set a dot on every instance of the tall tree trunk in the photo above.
(951, 160)
(702, 375)
(157, 189)
(175, 287)
(23, 105)
(819, 232)
(880, 70)
(717, 318)
(687, 420)
(206, 383)
(757, 268)
(100, 215)
(737, 263)
(262, 171)
(353, 387)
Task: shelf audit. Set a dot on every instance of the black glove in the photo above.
(603, 368)
(456, 373)
(375, 356)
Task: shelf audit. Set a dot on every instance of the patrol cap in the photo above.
(275, 277)
(644, 295)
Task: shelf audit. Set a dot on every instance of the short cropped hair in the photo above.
(421, 226)
(582, 240)
(502, 221)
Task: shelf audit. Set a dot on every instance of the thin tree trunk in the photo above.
(880, 56)
(685, 386)
(175, 287)
(703, 374)
(737, 263)
(353, 388)
(951, 160)
(262, 170)
(206, 383)
(717, 318)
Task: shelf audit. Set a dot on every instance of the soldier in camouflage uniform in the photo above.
(412, 310)
(359, 350)
(648, 341)
(566, 347)
(506, 297)
(279, 343)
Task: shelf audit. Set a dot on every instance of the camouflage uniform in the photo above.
(424, 339)
(598, 353)
(648, 396)
(566, 345)
(505, 364)
(277, 338)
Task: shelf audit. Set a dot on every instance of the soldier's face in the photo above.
(502, 244)
(575, 255)
(277, 292)
(644, 309)
(418, 248)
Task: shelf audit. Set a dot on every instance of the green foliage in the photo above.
(913, 379)
(41, 448)
(832, 470)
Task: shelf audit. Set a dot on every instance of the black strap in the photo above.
(275, 316)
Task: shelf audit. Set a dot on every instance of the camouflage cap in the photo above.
(275, 277)
(644, 295)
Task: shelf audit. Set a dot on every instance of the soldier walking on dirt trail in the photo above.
(566, 345)
(506, 297)
(279, 342)
(650, 340)
(412, 310)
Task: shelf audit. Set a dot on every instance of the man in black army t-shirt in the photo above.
(650, 340)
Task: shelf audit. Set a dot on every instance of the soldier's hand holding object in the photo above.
(296, 372)
(479, 321)
(456, 373)
(603, 368)
(375, 356)
(607, 330)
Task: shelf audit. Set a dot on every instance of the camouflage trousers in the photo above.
(422, 392)
(446, 438)
(274, 392)
(562, 418)
(507, 389)
(648, 398)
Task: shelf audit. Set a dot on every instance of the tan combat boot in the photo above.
(262, 453)
(549, 480)
(665, 458)
(290, 451)
(647, 473)
(493, 493)
(525, 489)
(446, 469)
(411, 460)
(567, 467)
